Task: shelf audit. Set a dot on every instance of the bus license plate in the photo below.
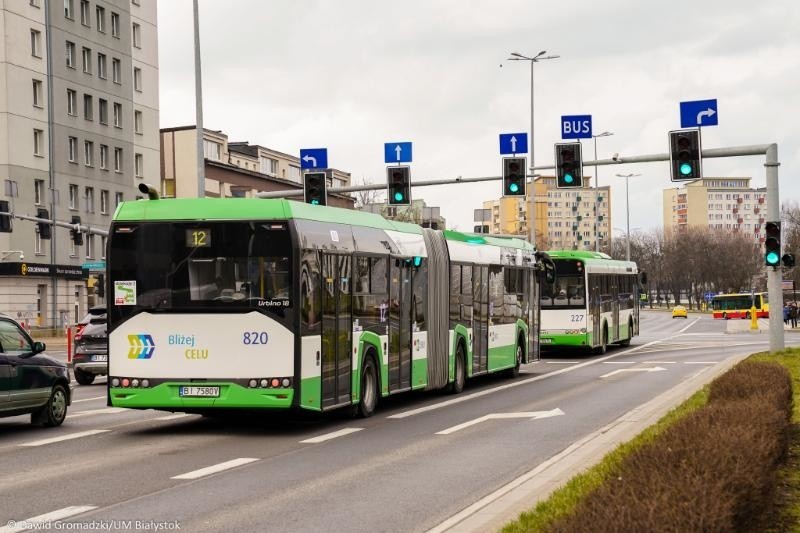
(199, 392)
(100, 358)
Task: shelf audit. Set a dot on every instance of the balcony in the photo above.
(735, 210)
(739, 200)
(739, 220)
(574, 207)
(761, 200)
(579, 218)
(756, 210)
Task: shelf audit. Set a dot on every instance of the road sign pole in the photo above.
(776, 340)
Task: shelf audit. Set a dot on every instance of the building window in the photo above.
(212, 150)
(104, 157)
(88, 107)
(118, 159)
(101, 19)
(103, 108)
(73, 197)
(138, 165)
(103, 247)
(70, 54)
(115, 25)
(101, 65)
(90, 199)
(269, 166)
(117, 114)
(117, 199)
(137, 35)
(72, 102)
(72, 144)
(103, 202)
(37, 243)
(294, 173)
(116, 70)
(68, 12)
(88, 152)
(38, 142)
(38, 192)
(37, 93)
(87, 60)
(137, 78)
(85, 16)
(89, 246)
(137, 121)
(36, 43)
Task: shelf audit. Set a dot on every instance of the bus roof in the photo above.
(591, 258)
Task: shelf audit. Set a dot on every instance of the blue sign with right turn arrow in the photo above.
(699, 113)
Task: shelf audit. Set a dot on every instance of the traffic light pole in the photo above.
(776, 339)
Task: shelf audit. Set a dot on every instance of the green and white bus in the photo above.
(273, 304)
(593, 302)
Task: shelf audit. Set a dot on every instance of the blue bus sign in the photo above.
(576, 127)
(699, 113)
(513, 143)
(313, 158)
(397, 152)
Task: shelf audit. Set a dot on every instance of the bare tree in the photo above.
(367, 197)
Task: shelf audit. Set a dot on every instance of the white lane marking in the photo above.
(696, 320)
(467, 397)
(43, 521)
(207, 471)
(70, 436)
(560, 362)
(535, 415)
(329, 436)
(89, 399)
(658, 362)
(104, 411)
(174, 416)
(619, 362)
(700, 362)
(652, 369)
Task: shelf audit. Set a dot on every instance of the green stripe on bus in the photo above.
(165, 396)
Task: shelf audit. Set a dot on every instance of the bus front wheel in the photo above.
(600, 350)
(514, 371)
(460, 371)
(369, 389)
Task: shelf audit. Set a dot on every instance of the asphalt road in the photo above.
(421, 459)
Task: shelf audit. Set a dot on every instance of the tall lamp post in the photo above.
(597, 192)
(627, 215)
(516, 56)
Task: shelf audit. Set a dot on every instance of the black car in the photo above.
(30, 381)
(90, 353)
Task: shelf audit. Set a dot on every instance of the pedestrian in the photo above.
(786, 313)
(793, 314)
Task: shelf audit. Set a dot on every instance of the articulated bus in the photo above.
(255, 303)
(593, 302)
(740, 305)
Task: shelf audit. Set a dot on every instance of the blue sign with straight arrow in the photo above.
(397, 152)
(313, 158)
(513, 143)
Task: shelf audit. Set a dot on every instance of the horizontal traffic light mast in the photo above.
(82, 228)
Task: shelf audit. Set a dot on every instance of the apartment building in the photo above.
(233, 169)
(78, 132)
(719, 203)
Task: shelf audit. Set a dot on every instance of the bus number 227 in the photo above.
(576, 318)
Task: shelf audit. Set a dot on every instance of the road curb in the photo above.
(506, 503)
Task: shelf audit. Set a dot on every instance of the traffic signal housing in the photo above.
(315, 188)
(772, 244)
(569, 165)
(399, 184)
(44, 228)
(100, 285)
(514, 176)
(76, 234)
(5, 220)
(685, 155)
(788, 260)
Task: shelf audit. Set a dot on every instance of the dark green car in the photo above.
(30, 381)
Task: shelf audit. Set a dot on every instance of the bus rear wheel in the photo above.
(600, 350)
(627, 342)
(460, 371)
(514, 371)
(369, 390)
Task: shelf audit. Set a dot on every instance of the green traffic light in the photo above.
(772, 258)
(568, 178)
(398, 197)
(686, 169)
(513, 187)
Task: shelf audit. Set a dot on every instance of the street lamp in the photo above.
(597, 191)
(627, 214)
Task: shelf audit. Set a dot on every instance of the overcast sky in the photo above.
(350, 75)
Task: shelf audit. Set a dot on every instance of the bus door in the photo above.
(531, 303)
(615, 307)
(595, 310)
(400, 306)
(480, 319)
(337, 330)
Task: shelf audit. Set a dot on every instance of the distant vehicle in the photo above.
(30, 381)
(90, 355)
(592, 303)
(726, 306)
(94, 312)
(679, 311)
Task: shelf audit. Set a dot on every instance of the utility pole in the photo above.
(198, 106)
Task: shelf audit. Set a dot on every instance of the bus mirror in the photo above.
(643, 277)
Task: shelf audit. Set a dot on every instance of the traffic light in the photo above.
(569, 165)
(788, 260)
(100, 285)
(44, 228)
(77, 235)
(399, 182)
(772, 244)
(514, 176)
(684, 155)
(5, 220)
(315, 188)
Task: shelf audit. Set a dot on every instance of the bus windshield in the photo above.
(569, 289)
(200, 264)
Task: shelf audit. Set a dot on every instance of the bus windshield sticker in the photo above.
(125, 292)
(334, 235)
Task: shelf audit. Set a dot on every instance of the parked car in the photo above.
(679, 310)
(90, 353)
(30, 381)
